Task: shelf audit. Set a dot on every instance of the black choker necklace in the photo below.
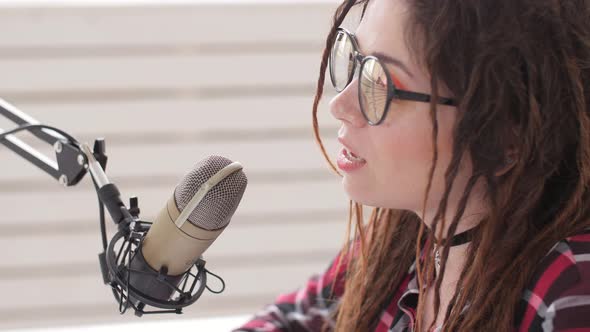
(456, 240)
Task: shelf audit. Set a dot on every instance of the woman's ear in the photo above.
(511, 154)
(510, 160)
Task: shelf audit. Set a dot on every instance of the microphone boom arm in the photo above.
(73, 161)
(70, 165)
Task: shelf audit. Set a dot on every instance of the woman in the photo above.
(463, 120)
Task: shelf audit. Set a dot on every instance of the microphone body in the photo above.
(170, 247)
(197, 213)
(177, 248)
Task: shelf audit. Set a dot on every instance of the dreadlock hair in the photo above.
(519, 70)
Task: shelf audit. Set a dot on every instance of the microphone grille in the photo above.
(219, 204)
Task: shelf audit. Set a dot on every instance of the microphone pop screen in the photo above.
(201, 207)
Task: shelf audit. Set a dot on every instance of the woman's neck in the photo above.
(455, 263)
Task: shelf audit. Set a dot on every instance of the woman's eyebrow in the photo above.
(386, 58)
(389, 59)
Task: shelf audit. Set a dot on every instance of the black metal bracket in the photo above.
(70, 163)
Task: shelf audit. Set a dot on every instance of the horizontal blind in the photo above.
(166, 84)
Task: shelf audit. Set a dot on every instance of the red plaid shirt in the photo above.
(557, 299)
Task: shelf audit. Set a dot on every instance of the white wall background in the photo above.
(166, 84)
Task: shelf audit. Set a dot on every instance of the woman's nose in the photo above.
(345, 106)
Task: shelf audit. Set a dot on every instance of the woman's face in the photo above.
(399, 151)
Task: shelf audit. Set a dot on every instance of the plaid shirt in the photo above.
(557, 299)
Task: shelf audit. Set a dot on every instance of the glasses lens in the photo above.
(373, 90)
(341, 61)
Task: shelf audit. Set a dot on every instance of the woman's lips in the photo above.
(349, 163)
(348, 148)
(353, 155)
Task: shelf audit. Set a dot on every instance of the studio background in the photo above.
(166, 83)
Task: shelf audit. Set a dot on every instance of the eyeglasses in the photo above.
(376, 89)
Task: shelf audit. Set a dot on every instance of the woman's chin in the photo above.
(360, 193)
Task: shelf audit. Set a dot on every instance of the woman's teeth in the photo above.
(351, 156)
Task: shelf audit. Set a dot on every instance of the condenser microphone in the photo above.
(201, 207)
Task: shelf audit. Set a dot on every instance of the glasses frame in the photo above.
(392, 90)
